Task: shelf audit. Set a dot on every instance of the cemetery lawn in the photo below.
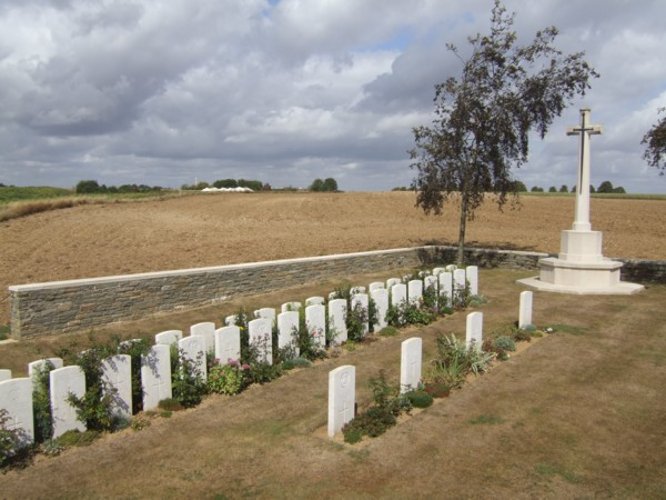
(579, 413)
(216, 229)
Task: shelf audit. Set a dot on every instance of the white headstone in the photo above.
(156, 376)
(391, 282)
(357, 289)
(194, 349)
(398, 294)
(410, 364)
(117, 378)
(315, 322)
(5, 374)
(290, 306)
(459, 283)
(266, 312)
(375, 285)
(227, 344)
(430, 282)
(361, 301)
(41, 364)
(381, 298)
(341, 397)
(332, 295)
(230, 320)
(261, 337)
(450, 268)
(62, 383)
(288, 330)
(446, 287)
(315, 301)
(16, 399)
(474, 330)
(525, 312)
(168, 337)
(206, 330)
(437, 271)
(337, 314)
(415, 292)
(472, 277)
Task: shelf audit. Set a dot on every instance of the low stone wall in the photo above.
(68, 306)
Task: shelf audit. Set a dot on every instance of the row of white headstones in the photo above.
(224, 342)
(342, 380)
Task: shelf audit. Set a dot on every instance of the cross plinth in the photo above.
(585, 130)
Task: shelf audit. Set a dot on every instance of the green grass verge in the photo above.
(10, 194)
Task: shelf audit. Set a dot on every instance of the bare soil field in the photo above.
(218, 229)
(578, 414)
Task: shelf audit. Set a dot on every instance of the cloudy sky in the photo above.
(163, 92)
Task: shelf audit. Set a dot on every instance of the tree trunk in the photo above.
(460, 259)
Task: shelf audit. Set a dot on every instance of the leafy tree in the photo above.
(564, 188)
(592, 190)
(619, 189)
(552, 189)
(225, 183)
(483, 118)
(86, 187)
(519, 187)
(253, 185)
(536, 189)
(605, 187)
(317, 185)
(655, 141)
(330, 185)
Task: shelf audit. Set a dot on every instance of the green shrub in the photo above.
(454, 361)
(389, 331)
(170, 405)
(522, 335)
(139, 423)
(290, 364)
(41, 403)
(352, 433)
(94, 407)
(261, 372)
(504, 343)
(356, 320)
(187, 383)
(419, 398)
(52, 448)
(15, 448)
(77, 438)
(135, 348)
(387, 405)
(228, 379)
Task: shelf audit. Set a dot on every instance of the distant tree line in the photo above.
(327, 185)
(254, 185)
(604, 187)
(90, 187)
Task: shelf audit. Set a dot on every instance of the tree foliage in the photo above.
(482, 119)
(655, 141)
(327, 185)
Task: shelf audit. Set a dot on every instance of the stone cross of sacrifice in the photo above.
(585, 130)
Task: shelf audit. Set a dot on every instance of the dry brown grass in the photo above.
(575, 415)
(218, 229)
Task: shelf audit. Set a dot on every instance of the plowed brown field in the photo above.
(218, 229)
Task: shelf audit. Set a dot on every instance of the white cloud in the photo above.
(158, 92)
